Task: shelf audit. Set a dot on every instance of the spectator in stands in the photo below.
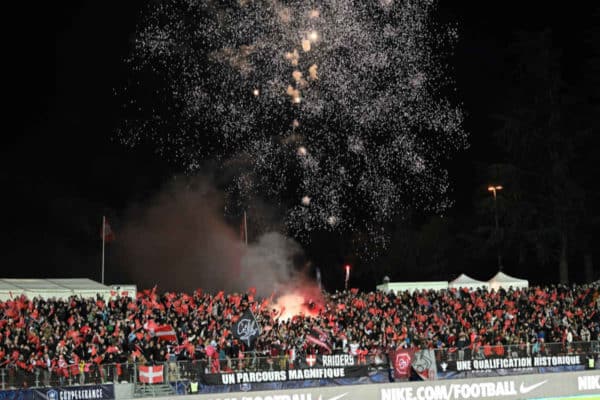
(52, 334)
(585, 334)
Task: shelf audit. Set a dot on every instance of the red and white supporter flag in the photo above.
(106, 233)
(401, 360)
(151, 374)
(165, 332)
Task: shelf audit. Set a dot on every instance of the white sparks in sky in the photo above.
(360, 83)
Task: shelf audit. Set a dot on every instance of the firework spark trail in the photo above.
(336, 105)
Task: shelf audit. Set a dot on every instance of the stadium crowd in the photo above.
(56, 334)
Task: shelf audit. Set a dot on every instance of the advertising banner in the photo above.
(91, 392)
(372, 378)
(499, 388)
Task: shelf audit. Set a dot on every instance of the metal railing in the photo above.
(13, 377)
(16, 378)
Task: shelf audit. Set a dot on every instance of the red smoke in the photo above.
(303, 299)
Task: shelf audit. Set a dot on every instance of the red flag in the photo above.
(165, 332)
(109, 235)
(401, 360)
(320, 338)
(151, 374)
(150, 325)
(112, 349)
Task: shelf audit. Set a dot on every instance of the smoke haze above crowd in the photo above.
(180, 241)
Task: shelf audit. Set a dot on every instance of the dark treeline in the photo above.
(535, 132)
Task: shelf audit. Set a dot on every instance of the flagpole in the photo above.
(245, 228)
(103, 240)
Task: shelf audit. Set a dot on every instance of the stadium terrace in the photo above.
(76, 334)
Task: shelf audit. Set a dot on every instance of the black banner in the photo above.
(91, 392)
(299, 374)
(325, 360)
(247, 329)
(487, 364)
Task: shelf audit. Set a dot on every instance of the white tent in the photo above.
(8, 291)
(49, 288)
(412, 286)
(465, 281)
(84, 287)
(501, 280)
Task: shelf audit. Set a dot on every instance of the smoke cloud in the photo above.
(180, 242)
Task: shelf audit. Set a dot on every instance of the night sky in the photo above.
(62, 168)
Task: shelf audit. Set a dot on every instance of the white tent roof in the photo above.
(48, 288)
(412, 286)
(79, 283)
(466, 281)
(502, 280)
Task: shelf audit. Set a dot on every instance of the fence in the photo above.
(13, 377)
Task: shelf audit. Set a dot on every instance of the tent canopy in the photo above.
(54, 288)
(465, 281)
(412, 286)
(502, 280)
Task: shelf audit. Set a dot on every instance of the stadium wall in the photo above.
(535, 386)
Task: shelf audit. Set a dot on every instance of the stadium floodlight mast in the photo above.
(494, 190)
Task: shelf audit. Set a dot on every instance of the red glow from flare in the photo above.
(301, 301)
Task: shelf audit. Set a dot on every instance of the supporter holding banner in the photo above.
(151, 374)
(246, 329)
(166, 333)
(423, 363)
(495, 363)
(320, 338)
(300, 374)
(401, 360)
(328, 360)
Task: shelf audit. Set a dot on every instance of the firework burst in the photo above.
(337, 107)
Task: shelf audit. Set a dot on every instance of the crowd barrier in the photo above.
(12, 377)
(533, 386)
(17, 378)
(215, 375)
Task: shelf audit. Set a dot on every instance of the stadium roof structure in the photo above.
(49, 288)
(465, 281)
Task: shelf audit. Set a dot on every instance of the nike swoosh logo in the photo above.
(334, 398)
(526, 389)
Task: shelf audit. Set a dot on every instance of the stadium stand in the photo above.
(62, 331)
